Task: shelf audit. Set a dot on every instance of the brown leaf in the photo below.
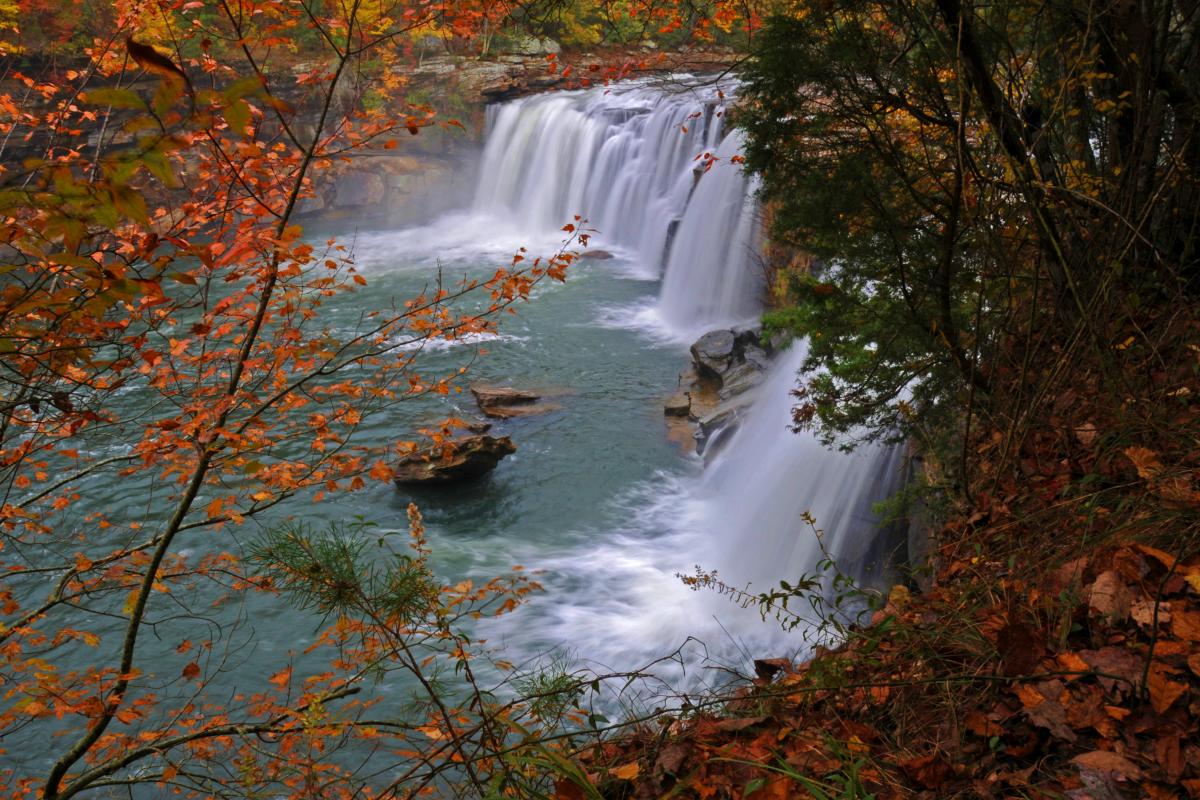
(930, 771)
(1170, 756)
(978, 723)
(1108, 761)
(1163, 691)
(1193, 663)
(738, 724)
(1020, 647)
(566, 790)
(1143, 612)
(1109, 596)
(767, 668)
(1072, 663)
(1086, 434)
(1116, 661)
(191, 670)
(1162, 557)
(672, 758)
(1186, 625)
(1145, 461)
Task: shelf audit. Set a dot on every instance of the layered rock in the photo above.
(505, 402)
(461, 459)
(714, 392)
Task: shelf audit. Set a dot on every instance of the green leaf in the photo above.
(246, 87)
(237, 114)
(116, 98)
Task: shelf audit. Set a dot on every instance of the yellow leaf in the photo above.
(627, 772)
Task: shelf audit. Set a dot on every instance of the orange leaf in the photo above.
(1164, 691)
(627, 772)
(191, 671)
(282, 677)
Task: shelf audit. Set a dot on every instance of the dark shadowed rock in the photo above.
(596, 255)
(678, 405)
(459, 460)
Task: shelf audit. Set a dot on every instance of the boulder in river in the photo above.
(504, 402)
(457, 460)
(596, 255)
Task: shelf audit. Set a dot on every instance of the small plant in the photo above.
(836, 604)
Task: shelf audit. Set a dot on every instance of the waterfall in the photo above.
(765, 478)
(711, 272)
(625, 158)
(630, 159)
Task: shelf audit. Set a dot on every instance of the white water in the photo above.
(625, 159)
(630, 160)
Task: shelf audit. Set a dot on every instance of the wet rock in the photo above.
(678, 405)
(497, 396)
(596, 255)
(505, 402)
(715, 352)
(459, 460)
(741, 379)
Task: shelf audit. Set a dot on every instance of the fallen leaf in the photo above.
(191, 670)
(1169, 755)
(1086, 434)
(1143, 612)
(566, 790)
(1163, 691)
(1020, 648)
(627, 772)
(738, 724)
(1072, 663)
(1108, 761)
(1145, 461)
(767, 668)
(1110, 596)
(1162, 557)
(1186, 625)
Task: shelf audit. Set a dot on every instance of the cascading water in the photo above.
(631, 159)
(625, 158)
(758, 488)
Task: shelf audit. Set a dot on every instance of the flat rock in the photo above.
(462, 459)
(678, 405)
(492, 396)
(523, 410)
(596, 255)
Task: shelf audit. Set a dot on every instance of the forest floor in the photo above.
(1056, 649)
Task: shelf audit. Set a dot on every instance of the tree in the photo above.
(973, 176)
(151, 252)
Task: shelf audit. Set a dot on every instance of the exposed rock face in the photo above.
(493, 396)
(459, 460)
(505, 402)
(713, 353)
(727, 365)
(678, 405)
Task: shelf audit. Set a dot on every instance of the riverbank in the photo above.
(1055, 652)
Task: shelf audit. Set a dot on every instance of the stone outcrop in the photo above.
(461, 459)
(714, 392)
(505, 402)
(596, 255)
